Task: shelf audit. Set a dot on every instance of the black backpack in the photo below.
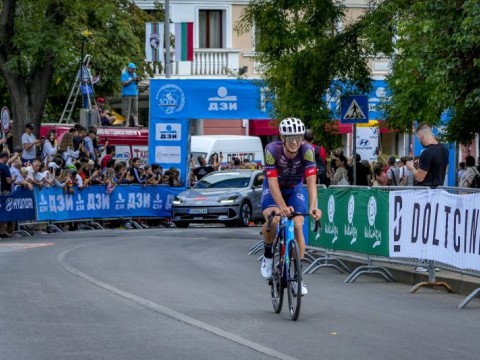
(321, 167)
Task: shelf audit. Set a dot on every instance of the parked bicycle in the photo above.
(287, 270)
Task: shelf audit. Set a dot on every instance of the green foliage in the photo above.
(434, 63)
(48, 36)
(434, 47)
(116, 37)
(301, 53)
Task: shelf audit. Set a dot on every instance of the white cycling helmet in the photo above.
(291, 126)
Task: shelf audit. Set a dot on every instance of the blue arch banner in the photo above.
(174, 101)
(207, 99)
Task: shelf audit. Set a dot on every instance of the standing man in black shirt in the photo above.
(433, 162)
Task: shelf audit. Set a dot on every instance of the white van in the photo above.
(229, 146)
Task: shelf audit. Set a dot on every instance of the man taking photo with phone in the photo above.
(29, 144)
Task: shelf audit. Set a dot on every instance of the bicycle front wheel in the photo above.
(294, 281)
(276, 280)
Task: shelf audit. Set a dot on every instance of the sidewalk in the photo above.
(406, 274)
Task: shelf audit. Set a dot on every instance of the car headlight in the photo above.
(229, 200)
(178, 201)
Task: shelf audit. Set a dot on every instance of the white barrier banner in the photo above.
(435, 225)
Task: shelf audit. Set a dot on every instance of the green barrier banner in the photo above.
(353, 219)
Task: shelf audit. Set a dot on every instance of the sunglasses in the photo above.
(291, 138)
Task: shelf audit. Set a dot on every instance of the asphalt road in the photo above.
(195, 294)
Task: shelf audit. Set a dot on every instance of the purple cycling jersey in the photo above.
(289, 172)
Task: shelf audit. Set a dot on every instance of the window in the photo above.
(211, 29)
(255, 36)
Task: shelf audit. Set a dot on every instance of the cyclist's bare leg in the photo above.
(268, 239)
(269, 236)
(298, 224)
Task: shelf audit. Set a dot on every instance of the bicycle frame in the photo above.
(282, 276)
(286, 234)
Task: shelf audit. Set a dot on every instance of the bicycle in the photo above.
(287, 270)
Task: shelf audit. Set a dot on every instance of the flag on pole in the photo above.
(154, 35)
(184, 41)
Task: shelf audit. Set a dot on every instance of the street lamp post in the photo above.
(168, 64)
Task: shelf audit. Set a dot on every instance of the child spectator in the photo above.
(157, 173)
(66, 149)
(121, 173)
(110, 153)
(165, 180)
(380, 175)
(135, 173)
(89, 143)
(49, 146)
(109, 180)
(66, 176)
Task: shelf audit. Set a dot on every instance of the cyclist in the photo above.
(287, 162)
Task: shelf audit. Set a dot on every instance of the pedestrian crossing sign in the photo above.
(354, 109)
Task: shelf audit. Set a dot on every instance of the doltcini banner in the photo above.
(353, 220)
(436, 225)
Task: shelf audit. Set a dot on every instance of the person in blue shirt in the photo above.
(129, 80)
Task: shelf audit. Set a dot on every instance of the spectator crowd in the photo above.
(78, 160)
(74, 163)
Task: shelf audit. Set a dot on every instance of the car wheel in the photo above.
(245, 215)
(181, 224)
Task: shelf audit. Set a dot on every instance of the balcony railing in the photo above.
(206, 62)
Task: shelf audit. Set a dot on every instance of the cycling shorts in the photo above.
(293, 196)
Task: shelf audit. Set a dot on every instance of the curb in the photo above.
(405, 274)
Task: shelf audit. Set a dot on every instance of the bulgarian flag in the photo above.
(154, 34)
(184, 41)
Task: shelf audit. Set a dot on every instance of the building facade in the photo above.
(219, 52)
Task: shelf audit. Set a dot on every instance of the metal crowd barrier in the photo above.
(320, 257)
(48, 209)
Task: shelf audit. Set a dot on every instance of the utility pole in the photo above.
(168, 63)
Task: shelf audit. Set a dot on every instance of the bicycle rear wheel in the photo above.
(294, 281)
(276, 280)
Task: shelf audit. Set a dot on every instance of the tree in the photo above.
(435, 63)
(302, 53)
(40, 47)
